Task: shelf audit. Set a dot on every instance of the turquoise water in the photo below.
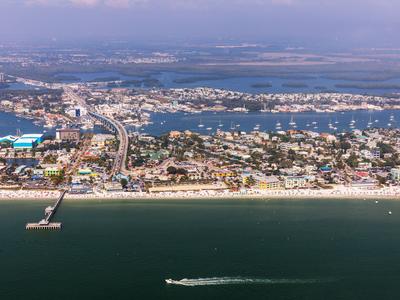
(246, 249)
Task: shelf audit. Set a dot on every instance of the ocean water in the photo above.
(212, 249)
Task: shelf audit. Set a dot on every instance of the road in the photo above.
(122, 153)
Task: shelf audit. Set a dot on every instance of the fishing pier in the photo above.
(49, 212)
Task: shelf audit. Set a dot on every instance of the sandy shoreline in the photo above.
(337, 193)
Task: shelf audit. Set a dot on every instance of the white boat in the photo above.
(201, 125)
(220, 124)
(169, 281)
(257, 127)
(314, 123)
(292, 122)
(209, 128)
(370, 122)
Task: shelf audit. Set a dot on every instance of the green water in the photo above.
(326, 249)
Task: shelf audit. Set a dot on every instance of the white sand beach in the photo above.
(336, 193)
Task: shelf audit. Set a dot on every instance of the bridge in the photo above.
(49, 213)
(111, 124)
(116, 127)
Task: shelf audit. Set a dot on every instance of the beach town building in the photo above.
(68, 134)
(395, 174)
(292, 182)
(53, 171)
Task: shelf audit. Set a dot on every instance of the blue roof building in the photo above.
(25, 143)
(38, 137)
(28, 141)
(8, 138)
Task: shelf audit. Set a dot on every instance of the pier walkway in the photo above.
(49, 213)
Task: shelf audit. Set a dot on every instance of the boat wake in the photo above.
(237, 281)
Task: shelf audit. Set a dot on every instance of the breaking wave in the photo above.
(238, 281)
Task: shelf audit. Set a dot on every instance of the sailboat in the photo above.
(292, 122)
(220, 124)
(352, 123)
(278, 126)
(201, 125)
(370, 122)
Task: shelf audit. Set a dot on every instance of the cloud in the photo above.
(85, 2)
(157, 3)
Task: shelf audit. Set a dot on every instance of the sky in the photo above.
(363, 23)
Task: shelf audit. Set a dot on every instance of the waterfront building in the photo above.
(270, 183)
(25, 143)
(292, 182)
(8, 139)
(113, 187)
(395, 174)
(365, 183)
(38, 137)
(28, 141)
(223, 173)
(68, 134)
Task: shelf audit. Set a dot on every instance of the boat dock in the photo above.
(49, 212)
